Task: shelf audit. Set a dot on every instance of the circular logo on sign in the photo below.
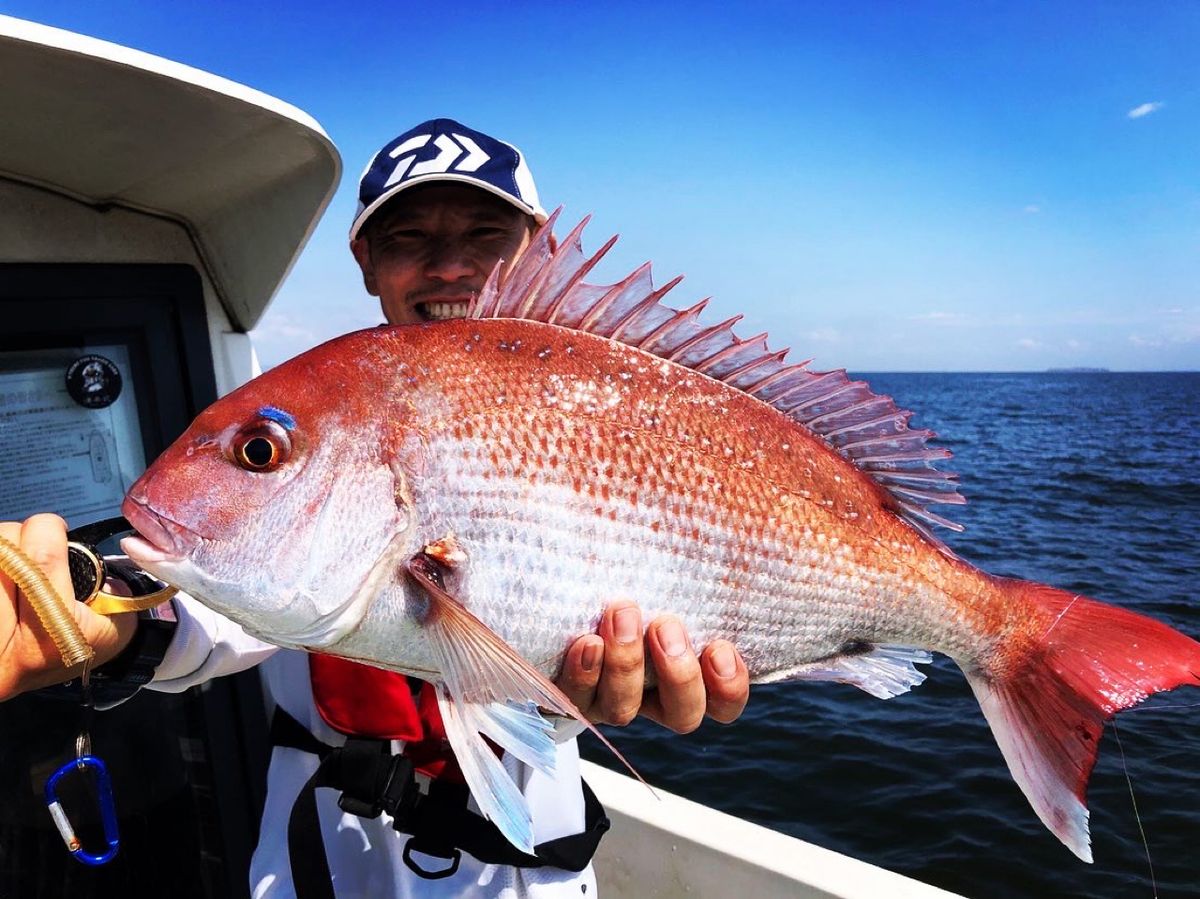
(93, 381)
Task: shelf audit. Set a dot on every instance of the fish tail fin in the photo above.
(1047, 702)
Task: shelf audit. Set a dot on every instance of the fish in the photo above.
(459, 500)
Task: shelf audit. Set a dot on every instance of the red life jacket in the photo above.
(362, 701)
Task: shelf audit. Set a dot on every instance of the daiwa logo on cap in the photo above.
(445, 150)
(450, 148)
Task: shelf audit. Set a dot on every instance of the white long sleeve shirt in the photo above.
(365, 855)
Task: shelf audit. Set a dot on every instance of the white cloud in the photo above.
(1144, 110)
(824, 335)
(1033, 209)
(938, 317)
(1185, 335)
(1028, 343)
(1073, 344)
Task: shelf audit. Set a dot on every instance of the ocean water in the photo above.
(1087, 481)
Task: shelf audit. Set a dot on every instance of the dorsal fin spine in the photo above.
(855, 407)
(766, 382)
(673, 322)
(929, 496)
(731, 377)
(824, 398)
(900, 418)
(535, 288)
(918, 456)
(678, 352)
(721, 355)
(579, 276)
(574, 239)
(923, 513)
(918, 476)
(619, 288)
(906, 437)
(817, 380)
(618, 331)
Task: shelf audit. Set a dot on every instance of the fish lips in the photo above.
(158, 539)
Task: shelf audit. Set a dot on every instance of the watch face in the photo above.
(93, 381)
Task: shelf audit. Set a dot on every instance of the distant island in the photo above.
(1078, 369)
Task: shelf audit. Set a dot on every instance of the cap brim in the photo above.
(539, 214)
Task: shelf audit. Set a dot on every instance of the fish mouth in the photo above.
(158, 539)
(442, 308)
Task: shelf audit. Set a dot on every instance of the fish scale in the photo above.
(461, 499)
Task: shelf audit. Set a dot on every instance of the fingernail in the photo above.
(723, 661)
(627, 625)
(672, 638)
(591, 657)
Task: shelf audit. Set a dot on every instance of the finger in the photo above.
(726, 681)
(581, 672)
(44, 540)
(680, 703)
(623, 677)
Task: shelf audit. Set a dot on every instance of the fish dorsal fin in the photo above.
(546, 284)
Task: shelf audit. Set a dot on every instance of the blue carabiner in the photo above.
(108, 812)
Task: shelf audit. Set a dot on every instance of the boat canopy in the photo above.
(246, 174)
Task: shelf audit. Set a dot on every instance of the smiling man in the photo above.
(427, 253)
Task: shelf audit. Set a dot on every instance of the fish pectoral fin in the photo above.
(489, 689)
(882, 669)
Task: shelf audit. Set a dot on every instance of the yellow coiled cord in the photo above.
(52, 610)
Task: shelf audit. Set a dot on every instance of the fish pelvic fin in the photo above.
(488, 689)
(546, 284)
(1047, 711)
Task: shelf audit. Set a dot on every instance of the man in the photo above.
(439, 206)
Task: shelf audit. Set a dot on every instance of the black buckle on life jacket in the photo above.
(373, 780)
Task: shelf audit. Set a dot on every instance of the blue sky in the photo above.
(881, 186)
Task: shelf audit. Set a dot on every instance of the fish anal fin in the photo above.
(883, 670)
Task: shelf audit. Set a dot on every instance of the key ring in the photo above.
(108, 812)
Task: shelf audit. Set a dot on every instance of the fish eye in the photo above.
(262, 446)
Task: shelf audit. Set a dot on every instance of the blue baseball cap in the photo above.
(445, 150)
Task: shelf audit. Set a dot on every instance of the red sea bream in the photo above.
(459, 500)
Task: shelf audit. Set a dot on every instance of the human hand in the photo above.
(604, 673)
(28, 657)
